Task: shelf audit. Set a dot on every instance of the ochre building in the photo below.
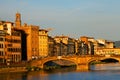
(29, 38)
(10, 43)
(43, 43)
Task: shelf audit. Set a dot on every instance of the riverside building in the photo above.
(10, 43)
(66, 42)
(43, 43)
(30, 40)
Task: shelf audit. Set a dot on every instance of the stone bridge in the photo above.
(82, 62)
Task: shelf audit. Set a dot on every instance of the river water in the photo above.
(97, 72)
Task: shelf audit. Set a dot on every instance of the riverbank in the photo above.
(29, 69)
(19, 69)
(102, 72)
(13, 69)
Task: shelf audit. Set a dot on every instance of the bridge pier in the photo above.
(40, 66)
(82, 67)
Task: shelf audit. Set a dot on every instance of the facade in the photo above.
(6, 26)
(43, 43)
(66, 41)
(3, 56)
(71, 46)
(105, 43)
(29, 38)
(13, 47)
(86, 45)
(10, 43)
(32, 41)
(93, 45)
(3, 25)
(57, 49)
(64, 49)
(29, 42)
(102, 43)
(76, 46)
(82, 48)
(108, 51)
(51, 46)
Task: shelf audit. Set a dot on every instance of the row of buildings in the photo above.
(26, 42)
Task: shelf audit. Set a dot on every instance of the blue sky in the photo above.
(75, 18)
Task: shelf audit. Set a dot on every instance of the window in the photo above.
(9, 45)
(1, 39)
(1, 45)
(1, 53)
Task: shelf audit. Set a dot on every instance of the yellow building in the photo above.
(3, 25)
(6, 26)
(108, 51)
(43, 43)
(105, 43)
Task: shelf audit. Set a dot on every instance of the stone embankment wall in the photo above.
(13, 69)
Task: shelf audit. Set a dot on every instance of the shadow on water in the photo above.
(31, 75)
(13, 76)
(65, 69)
(108, 66)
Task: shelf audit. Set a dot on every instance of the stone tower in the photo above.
(18, 20)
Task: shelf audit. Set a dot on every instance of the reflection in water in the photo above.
(13, 76)
(41, 75)
(99, 72)
(109, 66)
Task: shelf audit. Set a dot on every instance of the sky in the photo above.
(93, 18)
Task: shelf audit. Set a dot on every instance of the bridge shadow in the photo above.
(59, 64)
(103, 60)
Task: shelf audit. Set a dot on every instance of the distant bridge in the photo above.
(82, 62)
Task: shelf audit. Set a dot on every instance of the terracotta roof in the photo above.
(43, 30)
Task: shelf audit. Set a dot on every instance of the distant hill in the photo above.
(117, 44)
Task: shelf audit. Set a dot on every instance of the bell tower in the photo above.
(18, 20)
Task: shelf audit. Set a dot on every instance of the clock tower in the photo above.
(18, 20)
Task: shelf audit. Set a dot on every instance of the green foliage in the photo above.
(32, 68)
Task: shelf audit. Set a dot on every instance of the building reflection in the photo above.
(41, 75)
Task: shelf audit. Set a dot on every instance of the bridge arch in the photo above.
(55, 58)
(103, 58)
